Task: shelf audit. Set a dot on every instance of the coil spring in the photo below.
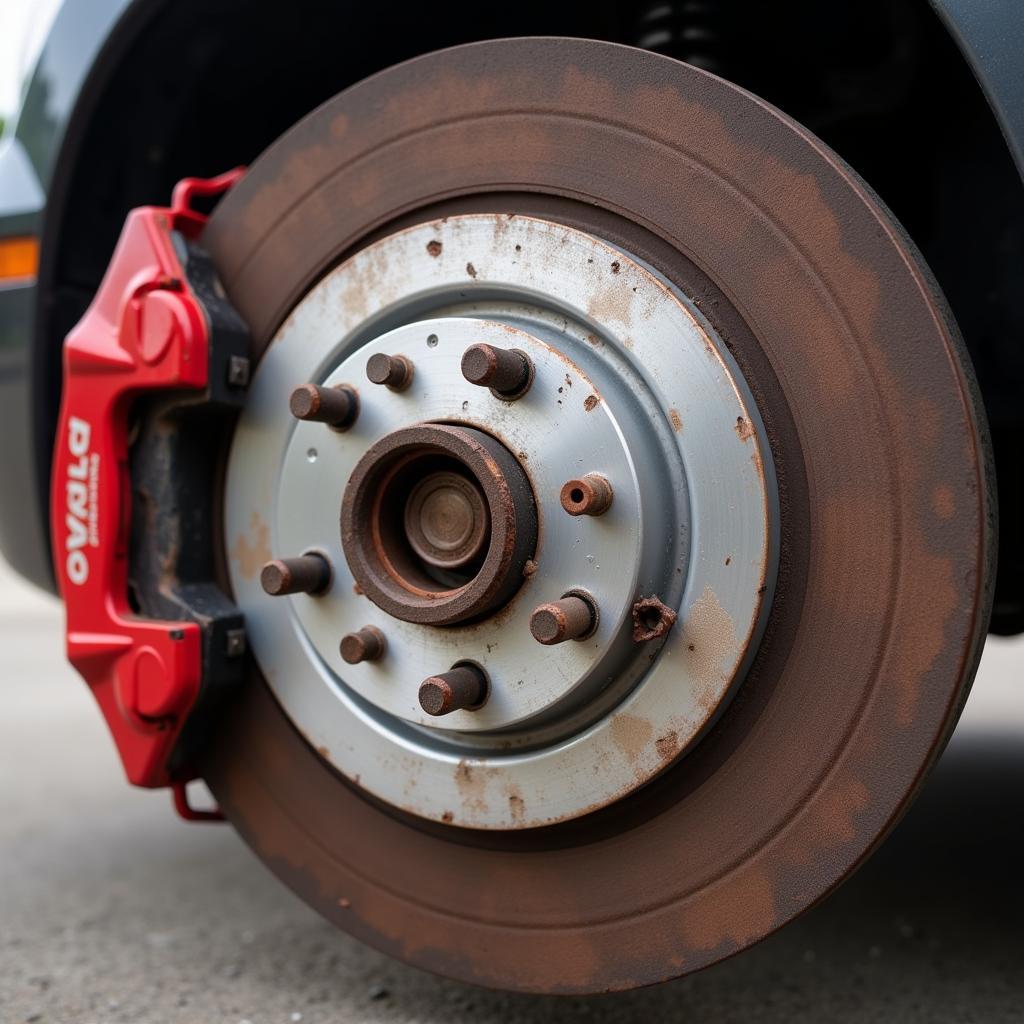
(689, 30)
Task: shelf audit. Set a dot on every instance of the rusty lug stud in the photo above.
(366, 644)
(394, 372)
(338, 407)
(591, 495)
(572, 618)
(462, 688)
(507, 372)
(308, 574)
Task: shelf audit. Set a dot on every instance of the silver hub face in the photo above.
(629, 383)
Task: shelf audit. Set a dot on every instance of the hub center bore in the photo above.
(446, 520)
(438, 522)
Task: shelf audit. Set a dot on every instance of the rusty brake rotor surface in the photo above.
(838, 691)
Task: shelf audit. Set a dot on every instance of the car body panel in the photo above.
(29, 154)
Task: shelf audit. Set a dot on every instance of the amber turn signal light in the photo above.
(19, 259)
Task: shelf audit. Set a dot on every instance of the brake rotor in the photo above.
(865, 485)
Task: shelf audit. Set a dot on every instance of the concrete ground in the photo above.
(112, 909)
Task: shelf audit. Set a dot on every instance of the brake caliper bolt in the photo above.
(572, 618)
(591, 495)
(506, 371)
(239, 369)
(462, 688)
(338, 407)
(308, 574)
(394, 372)
(366, 644)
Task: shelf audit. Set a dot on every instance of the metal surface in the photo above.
(572, 618)
(366, 644)
(338, 407)
(462, 688)
(590, 495)
(446, 520)
(507, 372)
(990, 34)
(886, 506)
(382, 557)
(307, 574)
(394, 372)
(620, 359)
(147, 331)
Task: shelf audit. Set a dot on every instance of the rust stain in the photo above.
(744, 428)
(471, 270)
(591, 402)
(516, 805)
(631, 734)
(613, 303)
(709, 641)
(652, 619)
(676, 420)
(943, 502)
(838, 812)
(667, 746)
(252, 551)
(434, 247)
(471, 781)
(339, 125)
(743, 910)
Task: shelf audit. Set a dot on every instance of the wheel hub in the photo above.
(446, 520)
(417, 511)
(569, 488)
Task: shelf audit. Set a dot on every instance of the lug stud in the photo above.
(506, 371)
(338, 407)
(462, 688)
(394, 372)
(366, 644)
(572, 618)
(591, 495)
(308, 574)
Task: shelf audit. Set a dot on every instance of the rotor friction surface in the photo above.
(887, 513)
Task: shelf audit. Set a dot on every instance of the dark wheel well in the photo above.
(196, 86)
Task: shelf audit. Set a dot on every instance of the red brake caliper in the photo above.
(149, 329)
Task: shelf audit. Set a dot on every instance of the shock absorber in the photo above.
(689, 30)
